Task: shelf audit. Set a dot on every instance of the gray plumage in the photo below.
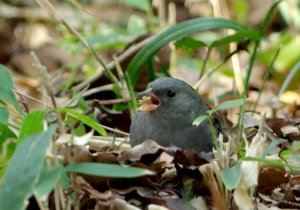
(170, 123)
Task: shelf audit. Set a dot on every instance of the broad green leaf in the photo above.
(140, 4)
(237, 37)
(199, 120)
(107, 170)
(22, 170)
(32, 123)
(47, 180)
(272, 162)
(173, 33)
(6, 93)
(189, 42)
(4, 115)
(285, 152)
(232, 176)
(230, 104)
(85, 120)
(273, 144)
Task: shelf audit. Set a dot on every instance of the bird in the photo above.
(169, 107)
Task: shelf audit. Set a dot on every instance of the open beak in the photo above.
(149, 100)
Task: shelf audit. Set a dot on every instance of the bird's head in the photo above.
(168, 93)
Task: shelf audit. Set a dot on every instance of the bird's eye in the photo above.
(171, 93)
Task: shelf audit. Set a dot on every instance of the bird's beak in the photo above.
(149, 100)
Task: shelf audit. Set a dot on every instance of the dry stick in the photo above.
(97, 90)
(90, 110)
(23, 101)
(30, 97)
(112, 64)
(41, 70)
(53, 12)
(205, 61)
(211, 70)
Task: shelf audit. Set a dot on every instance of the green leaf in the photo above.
(173, 33)
(22, 170)
(199, 120)
(189, 42)
(33, 123)
(268, 17)
(47, 180)
(4, 115)
(230, 104)
(289, 78)
(237, 37)
(296, 145)
(140, 4)
(136, 25)
(273, 144)
(6, 93)
(85, 120)
(262, 160)
(232, 176)
(107, 170)
(5, 133)
(79, 130)
(73, 102)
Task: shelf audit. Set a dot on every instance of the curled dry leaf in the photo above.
(270, 177)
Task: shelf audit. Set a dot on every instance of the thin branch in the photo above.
(131, 50)
(211, 70)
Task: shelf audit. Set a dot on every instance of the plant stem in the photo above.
(212, 129)
(266, 78)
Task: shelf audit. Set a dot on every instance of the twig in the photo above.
(90, 110)
(112, 64)
(211, 70)
(23, 101)
(43, 76)
(53, 12)
(30, 97)
(113, 101)
(204, 62)
(97, 90)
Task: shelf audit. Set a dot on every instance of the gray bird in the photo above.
(169, 108)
